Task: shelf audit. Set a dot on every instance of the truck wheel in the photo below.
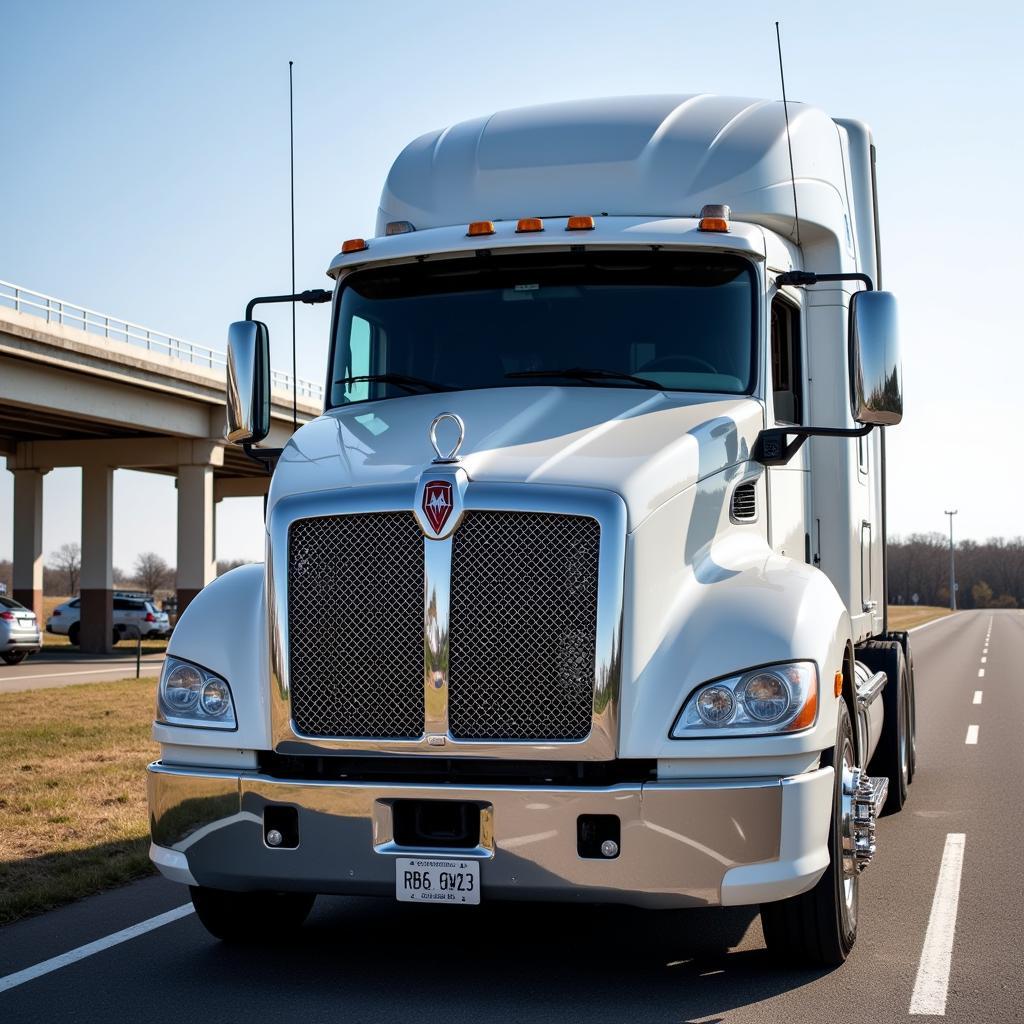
(250, 916)
(819, 927)
(911, 716)
(73, 632)
(14, 657)
(892, 757)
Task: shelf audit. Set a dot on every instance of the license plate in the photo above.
(437, 880)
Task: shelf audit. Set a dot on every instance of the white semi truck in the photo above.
(558, 604)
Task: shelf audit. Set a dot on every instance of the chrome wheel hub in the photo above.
(863, 797)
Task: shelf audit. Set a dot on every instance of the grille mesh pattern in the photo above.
(355, 625)
(523, 626)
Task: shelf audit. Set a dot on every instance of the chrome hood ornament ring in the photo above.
(453, 453)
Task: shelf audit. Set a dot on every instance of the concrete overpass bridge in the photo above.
(82, 388)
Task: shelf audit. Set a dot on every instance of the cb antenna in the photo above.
(789, 138)
(291, 156)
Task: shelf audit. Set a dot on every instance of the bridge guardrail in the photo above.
(59, 311)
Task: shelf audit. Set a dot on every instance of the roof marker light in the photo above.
(579, 224)
(714, 218)
(529, 224)
(353, 245)
(480, 227)
(399, 227)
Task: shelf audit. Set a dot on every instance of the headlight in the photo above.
(773, 699)
(190, 695)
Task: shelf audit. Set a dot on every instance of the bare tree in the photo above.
(67, 560)
(151, 571)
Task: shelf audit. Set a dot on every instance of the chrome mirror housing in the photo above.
(248, 382)
(876, 372)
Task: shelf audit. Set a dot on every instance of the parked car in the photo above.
(19, 631)
(130, 610)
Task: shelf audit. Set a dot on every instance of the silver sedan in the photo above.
(19, 631)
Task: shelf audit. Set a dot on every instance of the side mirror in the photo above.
(248, 384)
(876, 373)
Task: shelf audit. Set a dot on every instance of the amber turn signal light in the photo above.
(714, 218)
(480, 227)
(354, 245)
(839, 684)
(579, 224)
(529, 224)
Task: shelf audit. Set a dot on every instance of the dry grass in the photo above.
(910, 615)
(73, 817)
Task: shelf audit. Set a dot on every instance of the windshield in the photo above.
(676, 321)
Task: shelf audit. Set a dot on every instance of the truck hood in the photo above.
(644, 445)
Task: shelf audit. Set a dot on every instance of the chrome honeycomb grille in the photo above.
(523, 626)
(355, 625)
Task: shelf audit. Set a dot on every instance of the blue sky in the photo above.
(145, 174)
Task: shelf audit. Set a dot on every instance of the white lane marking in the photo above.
(983, 660)
(932, 982)
(972, 736)
(80, 672)
(931, 622)
(73, 956)
(977, 696)
(981, 673)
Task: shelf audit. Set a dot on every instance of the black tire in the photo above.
(14, 657)
(818, 928)
(911, 690)
(73, 630)
(250, 916)
(892, 756)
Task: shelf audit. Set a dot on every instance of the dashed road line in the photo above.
(932, 983)
(972, 736)
(90, 948)
(981, 673)
(977, 697)
(983, 660)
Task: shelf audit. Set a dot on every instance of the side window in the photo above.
(120, 604)
(358, 362)
(787, 375)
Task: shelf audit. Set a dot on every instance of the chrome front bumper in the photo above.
(683, 843)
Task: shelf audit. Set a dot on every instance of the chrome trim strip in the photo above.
(606, 507)
(437, 572)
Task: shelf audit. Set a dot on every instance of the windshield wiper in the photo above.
(581, 373)
(414, 385)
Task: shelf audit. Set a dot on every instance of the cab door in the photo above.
(787, 485)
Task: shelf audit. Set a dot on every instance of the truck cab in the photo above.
(576, 590)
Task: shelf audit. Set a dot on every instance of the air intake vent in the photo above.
(744, 503)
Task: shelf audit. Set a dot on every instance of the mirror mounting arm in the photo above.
(801, 278)
(266, 457)
(311, 297)
(773, 448)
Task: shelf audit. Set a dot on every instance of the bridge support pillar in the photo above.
(28, 540)
(197, 564)
(97, 621)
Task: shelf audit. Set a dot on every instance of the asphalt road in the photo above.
(65, 666)
(372, 960)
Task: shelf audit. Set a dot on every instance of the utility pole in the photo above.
(952, 563)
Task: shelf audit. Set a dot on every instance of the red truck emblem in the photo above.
(437, 503)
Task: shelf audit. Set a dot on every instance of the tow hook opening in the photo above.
(450, 824)
(598, 836)
(281, 826)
